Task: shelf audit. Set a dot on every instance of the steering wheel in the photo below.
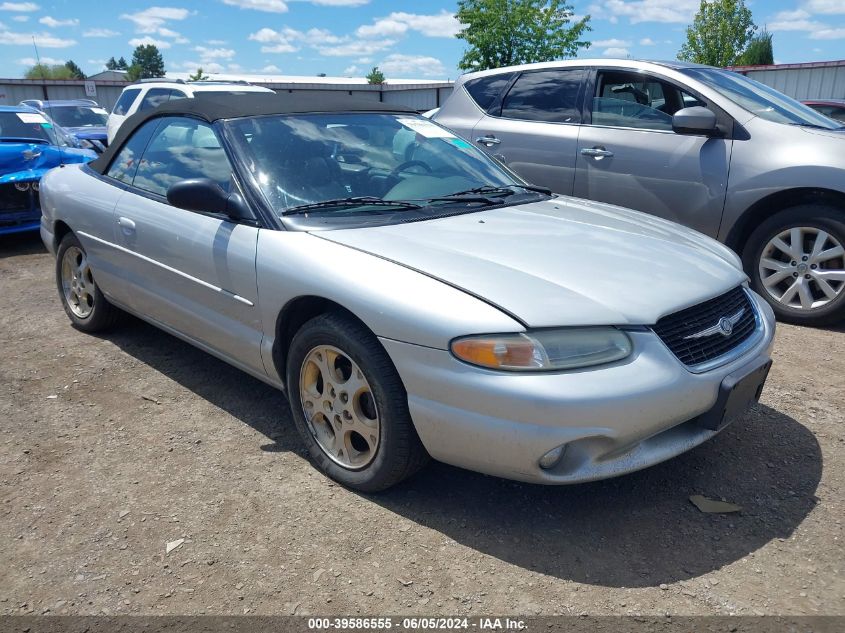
(394, 173)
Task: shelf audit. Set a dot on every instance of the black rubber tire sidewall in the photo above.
(103, 315)
(400, 452)
(818, 216)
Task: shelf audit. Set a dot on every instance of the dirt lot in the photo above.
(114, 446)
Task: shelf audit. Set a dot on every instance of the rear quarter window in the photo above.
(125, 102)
(485, 90)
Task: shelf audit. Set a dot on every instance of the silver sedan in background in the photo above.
(412, 297)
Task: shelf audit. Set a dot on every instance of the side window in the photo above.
(177, 94)
(182, 148)
(546, 95)
(636, 100)
(125, 164)
(153, 98)
(485, 90)
(125, 102)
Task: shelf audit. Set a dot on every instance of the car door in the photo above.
(629, 155)
(534, 129)
(191, 272)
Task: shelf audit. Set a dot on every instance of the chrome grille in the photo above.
(693, 334)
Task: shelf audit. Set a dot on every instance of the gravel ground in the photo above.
(115, 446)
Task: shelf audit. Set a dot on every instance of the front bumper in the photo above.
(613, 420)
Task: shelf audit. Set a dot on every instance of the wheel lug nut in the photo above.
(793, 263)
(804, 258)
(813, 266)
(806, 276)
(794, 274)
(347, 415)
(344, 397)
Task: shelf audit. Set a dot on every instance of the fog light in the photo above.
(551, 459)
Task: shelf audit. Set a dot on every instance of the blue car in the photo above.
(29, 147)
(83, 119)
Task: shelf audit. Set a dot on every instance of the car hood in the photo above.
(561, 262)
(29, 161)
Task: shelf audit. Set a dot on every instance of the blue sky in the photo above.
(347, 37)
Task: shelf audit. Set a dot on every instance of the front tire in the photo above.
(84, 303)
(796, 261)
(349, 405)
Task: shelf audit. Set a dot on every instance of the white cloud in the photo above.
(668, 11)
(443, 24)
(99, 63)
(351, 70)
(611, 42)
(146, 40)
(270, 6)
(53, 22)
(50, 61)
(271, 68)
(825, 6)
(616, 51)
(828, 34)
(44, 40)
(340, 3)
(414, 65)
(100, 33)
(353, 48)
(152, 19)
(647, 41)
(217, 42)
(23, 7)
(21, 18)
(274, 42)
(214, 53)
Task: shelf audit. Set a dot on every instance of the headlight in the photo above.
(544, 350)
(34, 186)
(22, 186)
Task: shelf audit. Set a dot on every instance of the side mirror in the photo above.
(696, 120)
(205, 195)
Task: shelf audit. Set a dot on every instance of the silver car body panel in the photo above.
(704, 183)
(222, 287)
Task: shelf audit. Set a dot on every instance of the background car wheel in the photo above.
(82, 300)
(350, 406)
(796, 260)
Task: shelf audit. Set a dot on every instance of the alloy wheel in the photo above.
(339, 407)
(78, 282)
(803, 268)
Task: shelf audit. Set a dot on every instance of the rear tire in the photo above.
(795, 260)
(349, 405)
(84, 303)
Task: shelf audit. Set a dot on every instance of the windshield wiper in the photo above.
(483, 194)
(358, 201)
(23, 139)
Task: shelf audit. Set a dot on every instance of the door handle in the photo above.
(596, 152)
(488, 140)
(127, 225)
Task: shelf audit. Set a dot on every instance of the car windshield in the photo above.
(759, 99)
(78, 116)
(346, 164)
(27, 126)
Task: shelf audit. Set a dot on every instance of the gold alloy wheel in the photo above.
(339, 407)
(78, 282)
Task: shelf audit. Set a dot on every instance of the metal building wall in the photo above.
(804, 83)
(13, 94)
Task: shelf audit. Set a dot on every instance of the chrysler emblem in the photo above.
(725, 326)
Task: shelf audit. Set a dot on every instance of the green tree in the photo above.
(375, 76)
(75, 70)
(147, 62)
(719, 33)
(121, 64)
(111, 64)
(198, 76)
(506, 32)
(43, 71)
(759, 52)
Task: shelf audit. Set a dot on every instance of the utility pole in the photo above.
(40, 70)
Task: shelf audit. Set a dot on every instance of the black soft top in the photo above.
(223, 106)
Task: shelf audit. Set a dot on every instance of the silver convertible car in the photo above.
(411, 295)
